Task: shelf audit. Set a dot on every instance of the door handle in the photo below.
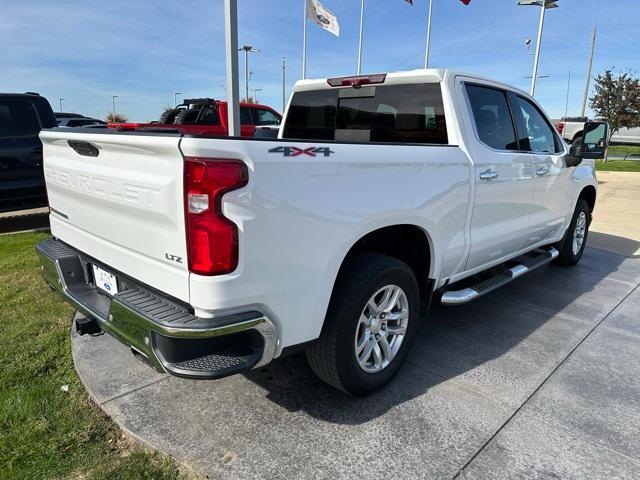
(489, 175)
(542, 171)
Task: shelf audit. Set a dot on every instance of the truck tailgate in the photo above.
(124, 206)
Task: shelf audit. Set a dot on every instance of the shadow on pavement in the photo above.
(612, 243)
(501, 346)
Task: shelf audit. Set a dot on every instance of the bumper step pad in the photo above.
(160, 330)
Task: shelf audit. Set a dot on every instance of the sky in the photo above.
(143, 51)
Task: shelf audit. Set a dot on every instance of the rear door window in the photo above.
(18, 119)
(412, 113)
(262, 116)
(492, 117)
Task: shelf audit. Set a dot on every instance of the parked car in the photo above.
(75, 122)
(205, 116)
(22, 116)
(571, 129)
(64, 115)
(211, 256)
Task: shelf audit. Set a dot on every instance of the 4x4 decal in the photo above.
(295, 151)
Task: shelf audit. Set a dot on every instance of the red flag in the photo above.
(466, 2)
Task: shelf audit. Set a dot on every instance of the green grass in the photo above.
(618, 166)
(622, 150)
(44, 431)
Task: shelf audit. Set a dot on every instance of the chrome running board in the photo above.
(459, 297)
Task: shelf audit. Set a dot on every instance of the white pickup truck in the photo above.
(211, 256)
(571, 129)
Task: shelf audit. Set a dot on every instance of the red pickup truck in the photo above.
(205, 116)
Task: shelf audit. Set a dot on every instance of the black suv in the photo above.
(22, 116)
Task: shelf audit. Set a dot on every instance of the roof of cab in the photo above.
(409, 76)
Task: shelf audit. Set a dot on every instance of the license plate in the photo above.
(105, 281)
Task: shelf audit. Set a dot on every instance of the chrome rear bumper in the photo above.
(159, 330)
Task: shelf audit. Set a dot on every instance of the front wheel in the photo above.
(370, 325)
(575, 239)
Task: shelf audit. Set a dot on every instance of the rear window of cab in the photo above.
(410, 113)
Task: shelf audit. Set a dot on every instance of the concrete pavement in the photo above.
(537, 380)
(616, 220)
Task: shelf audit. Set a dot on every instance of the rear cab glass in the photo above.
(408, 113)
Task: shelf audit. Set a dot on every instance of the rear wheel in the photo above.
(575, 239)
(370, 325)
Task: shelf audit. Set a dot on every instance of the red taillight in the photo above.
(560, 127)
(357, 81)
(212, 239)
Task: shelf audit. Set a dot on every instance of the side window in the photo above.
(492, 117)
(540, 134)
(209, 116)
(245, 116)
(18, 119)
(262, 116)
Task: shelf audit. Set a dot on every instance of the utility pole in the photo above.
(231, 48)
(586, 85)
(566, 105)
(113, 104)
(61, 104)
(284, 67)
(247, 49)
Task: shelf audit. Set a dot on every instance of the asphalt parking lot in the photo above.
(538, 380)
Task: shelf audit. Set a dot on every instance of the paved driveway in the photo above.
(538, 380)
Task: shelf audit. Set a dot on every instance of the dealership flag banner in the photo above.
(322, 17)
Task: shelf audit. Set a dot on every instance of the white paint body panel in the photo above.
(299, 216)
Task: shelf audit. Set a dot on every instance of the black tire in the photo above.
(567, 255)
(333, 356)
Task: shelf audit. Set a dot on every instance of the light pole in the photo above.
(255, 94)
(175, 98)
(231, 54)
(61, 104)
(284, 67)
(428, 42)
(359, 68)
(544, 5)
(247, 49)
(113, 104)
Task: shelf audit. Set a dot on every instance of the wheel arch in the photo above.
(408, 243)
(589, 194)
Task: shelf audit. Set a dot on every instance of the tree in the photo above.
(248, 100)
(617, 100)
(117, 118)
